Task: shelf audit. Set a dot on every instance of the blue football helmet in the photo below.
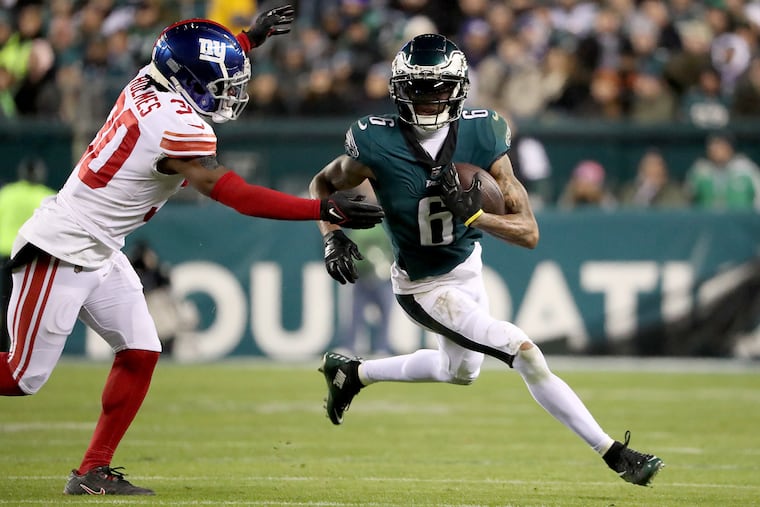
(429, 81)
(202, 61)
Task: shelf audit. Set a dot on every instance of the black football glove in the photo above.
(350, 211)
(274, 22)
(464, 204)
(340, 253)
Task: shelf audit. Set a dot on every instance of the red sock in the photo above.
(123, 394)
(8, 385)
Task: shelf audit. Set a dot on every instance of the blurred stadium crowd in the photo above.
(642, 61)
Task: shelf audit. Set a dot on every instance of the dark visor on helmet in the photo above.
(425, 89)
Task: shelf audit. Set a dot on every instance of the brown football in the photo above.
(493, 199)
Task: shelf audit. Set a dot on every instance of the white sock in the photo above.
(421, 366)
(557, 398)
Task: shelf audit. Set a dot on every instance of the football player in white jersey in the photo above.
(67, 261)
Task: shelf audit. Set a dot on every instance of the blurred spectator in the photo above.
(575, 17)
(357, 40)
(501, 18)
(150, 18)
(266, 100)
(510, 82)
(346, 83)
(723, 179)
(704, 105)
(644, 36)
(168, 313)
(746, 103)
(475, 41)
(602, 47)
(372, 298)
(18, 200)
(7, 104)
(534, 29)
(533, 168)
(38, 94)
(657, 13)
(605, 98)
(15, 47)
(618, 59)
(446, 15)
(730, 55)
(653, 187)
(292, 73)
(64, 39)
(682, 11)
(573, 85)
(682, 70)
(375, 98)
(651, 100)
(405, 19)
(320, 97)
(587, 188)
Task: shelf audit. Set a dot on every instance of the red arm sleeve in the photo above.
(253, 200)
(244, 42)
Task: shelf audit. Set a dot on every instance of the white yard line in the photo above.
(447, 480)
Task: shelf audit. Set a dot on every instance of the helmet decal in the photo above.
(202, 61)
(429, 81)
(212, 50)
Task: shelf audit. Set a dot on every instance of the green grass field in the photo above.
(255, 434)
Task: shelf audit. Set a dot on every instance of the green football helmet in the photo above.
(429, 81)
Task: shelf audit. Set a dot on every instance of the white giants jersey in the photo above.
(115, 187)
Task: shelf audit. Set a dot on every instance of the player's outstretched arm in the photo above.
(518, 226)
(223, 185)
(272, 22)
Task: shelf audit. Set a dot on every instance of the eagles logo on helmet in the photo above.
(204, 62)
(429, 81)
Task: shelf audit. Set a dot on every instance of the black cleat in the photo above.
(342, 377)
(632, 466)
(102, 481)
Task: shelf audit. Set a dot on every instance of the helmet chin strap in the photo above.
(218, 118)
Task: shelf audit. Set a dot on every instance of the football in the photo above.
(493, 200)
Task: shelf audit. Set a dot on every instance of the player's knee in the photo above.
(505, 336)
(465, 373)
(531, 363)
(32, 384)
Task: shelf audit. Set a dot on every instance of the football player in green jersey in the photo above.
(435, 226)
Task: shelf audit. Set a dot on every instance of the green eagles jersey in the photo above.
(427, 239)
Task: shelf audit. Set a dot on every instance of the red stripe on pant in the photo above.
(30, 311)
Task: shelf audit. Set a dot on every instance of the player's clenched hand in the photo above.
(464, 204)
(273, 22)
(352, 212)
(340, 253)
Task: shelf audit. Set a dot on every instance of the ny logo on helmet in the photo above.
(212, 50)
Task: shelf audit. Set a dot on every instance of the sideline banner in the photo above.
(628, 282)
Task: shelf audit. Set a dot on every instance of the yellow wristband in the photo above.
(473, 218)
